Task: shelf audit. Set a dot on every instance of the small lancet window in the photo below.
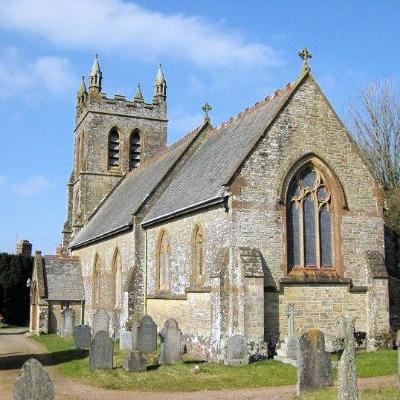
(117, 280)
(96, 281)
(134, 152)
(197, 254)
(163, 262)
(309, 221)
(113, 148)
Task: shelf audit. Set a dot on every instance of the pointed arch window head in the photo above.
(309, 221)
(163, 259)
(113, 148)
(134, 149)
(117, 280)
(197, 255)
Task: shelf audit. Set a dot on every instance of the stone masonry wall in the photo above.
(307, 125)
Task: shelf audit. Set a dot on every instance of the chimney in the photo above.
(24, 247)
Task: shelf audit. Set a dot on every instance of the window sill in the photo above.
(166, 296)
(314, 276)
(198, 289)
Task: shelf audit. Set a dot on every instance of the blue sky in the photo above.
(228, 53)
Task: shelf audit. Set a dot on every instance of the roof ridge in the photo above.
(257, 105)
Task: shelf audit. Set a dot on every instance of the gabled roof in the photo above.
(203, 178)
(115, 213)
(63, 278)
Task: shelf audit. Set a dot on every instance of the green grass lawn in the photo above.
(177, 377)
(389, 393)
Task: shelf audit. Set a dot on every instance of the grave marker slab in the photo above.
(135, 361)
(101, 351)
(67, 322)
(33, 382)
(171, 343)
(236, 351)
(101, 321)
(347, 375)
(398, 358)
(147, 335)
(125, 340)
(82, 337)
(314, 368)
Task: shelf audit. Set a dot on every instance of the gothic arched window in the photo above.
(197, 255)
(134, 149)
(96, 281)
(116, 280)
(113, 148)
(309, 221)
(163, 260)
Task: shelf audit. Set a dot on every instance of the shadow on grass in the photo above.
(16, 360)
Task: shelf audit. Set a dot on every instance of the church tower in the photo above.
(112, 137)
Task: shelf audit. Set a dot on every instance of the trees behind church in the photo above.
(375, 123)
(15, 270)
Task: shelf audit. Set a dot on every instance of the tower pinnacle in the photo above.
(81, 94)
(160, 86)
(138, 95)
(95, 77)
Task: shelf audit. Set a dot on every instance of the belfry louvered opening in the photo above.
(113, 148)
(309, 221)
(135, 149)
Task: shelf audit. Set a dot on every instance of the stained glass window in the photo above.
(309, 221)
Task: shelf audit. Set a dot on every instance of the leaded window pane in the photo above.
(326, 236)
(310, 258)
(293, 235)
(309, 177)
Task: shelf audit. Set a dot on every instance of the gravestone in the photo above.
(101, 351)
(135, 361)
(134, 334)
(398, 358)
(125, 340)
(347, 375)
(82, 337)
(171, 343)
(287, 353)
(101, 321)
(147, 335)
(236, 351)
(314, 368)
(67, 322)
(33, 382)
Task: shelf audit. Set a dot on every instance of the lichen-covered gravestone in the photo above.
(398, 358)
(147, 335)
(101, 351)
(67, 322)
(171, 343)
(347, 375)
(101, 321)
(82, 337)
(236, 351)
(314, 368)
(33, 383)
(125, 340)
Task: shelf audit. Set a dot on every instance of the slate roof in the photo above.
(115, 213)
(63, 278)
(210, 168)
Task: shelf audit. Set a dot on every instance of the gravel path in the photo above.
(15, 349)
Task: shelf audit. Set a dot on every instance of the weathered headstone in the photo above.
(134, 334)
(347, 375)
(314, 368)
(33, 383)
(125, 340)
(101, 321)
(101, 351)
(82, 337)
(135, 361)
(147, 335)
(67, 322)
(236, 351)
(171, 343)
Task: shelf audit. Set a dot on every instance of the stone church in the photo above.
(228, 227)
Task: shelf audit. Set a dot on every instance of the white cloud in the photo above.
(32, 185)
(18, 74)
(127, 27)
(3, 180)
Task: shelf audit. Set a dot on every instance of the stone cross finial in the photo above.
(206, 108)
(304, 54)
